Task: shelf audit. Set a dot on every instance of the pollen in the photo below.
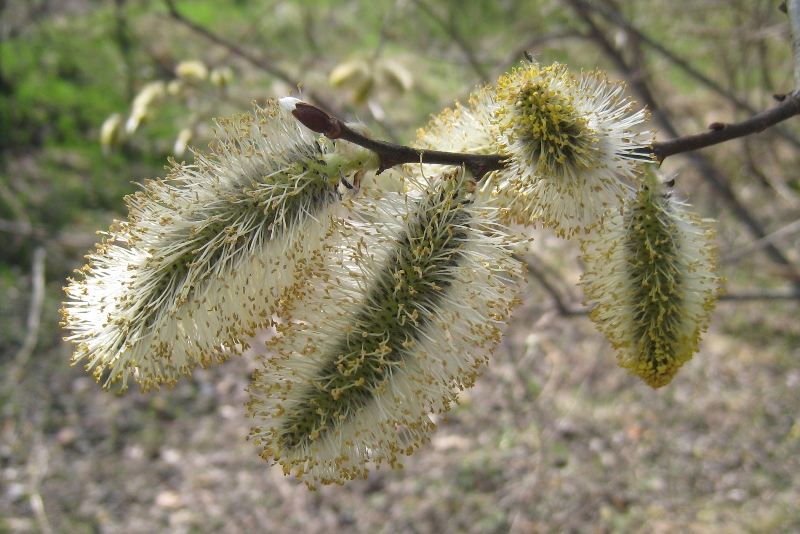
(651, 277)
(398, 342)
(207, 253)
(571, 145)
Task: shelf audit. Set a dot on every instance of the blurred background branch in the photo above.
(792, 9)
(34, 318)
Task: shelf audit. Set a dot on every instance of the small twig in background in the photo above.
(563, 306)
(16, 227)
(450, 28)
(34, 317)
(761, 243)
(793, 11)
(254, 60)
(37, 469)
(760, 295)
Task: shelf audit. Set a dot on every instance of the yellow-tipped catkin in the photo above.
(207, 253)
(387, 336)
(570, 143)
(651, 276)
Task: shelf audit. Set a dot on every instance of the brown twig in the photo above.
(392, 154)
(719, 133)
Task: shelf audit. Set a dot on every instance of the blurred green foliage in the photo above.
(61, 81)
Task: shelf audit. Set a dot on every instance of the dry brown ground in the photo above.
(553, 438)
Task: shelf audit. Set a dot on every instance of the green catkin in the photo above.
(207, 254)
(392, 320)
(387, 336)
(651, 276)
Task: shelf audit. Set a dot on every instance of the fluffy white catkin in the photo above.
(387, 336)
(207, 253)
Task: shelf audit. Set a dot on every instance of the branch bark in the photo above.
(719, 133)
(392, 154)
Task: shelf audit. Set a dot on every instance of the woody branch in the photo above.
(391, 154)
